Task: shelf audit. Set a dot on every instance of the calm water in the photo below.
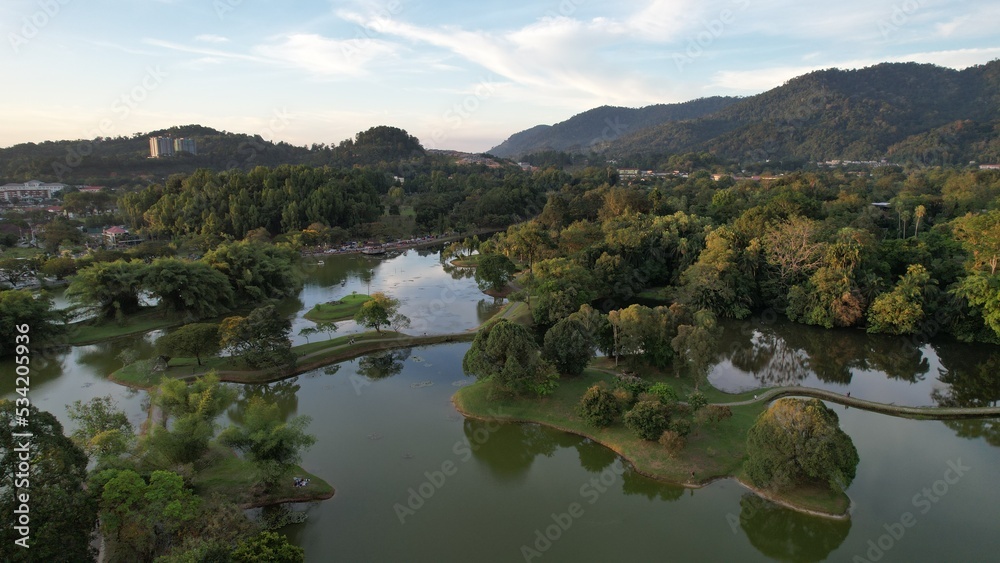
(417, 482)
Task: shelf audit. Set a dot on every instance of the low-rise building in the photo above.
(32, 190)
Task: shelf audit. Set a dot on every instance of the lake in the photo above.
(416, 481)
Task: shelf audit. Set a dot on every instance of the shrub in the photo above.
(625, 398)
(648, 419)
(665, 392)
(672, 441)
(717, 413)
(697, 400)
(681, 426)
(631, 383)
(599, 407)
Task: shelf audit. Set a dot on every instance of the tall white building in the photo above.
(186, 145)
(161, 146)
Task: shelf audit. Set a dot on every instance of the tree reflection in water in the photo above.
(593, 456)
(283, 393)
(634, 483)
(783, 353)
(382, 365)
(508, 450)
(787, 535)
(971, 383)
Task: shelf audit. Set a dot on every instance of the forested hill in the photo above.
(901, 111)
(603, 124)
(125, 160)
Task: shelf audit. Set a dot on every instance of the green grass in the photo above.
(340, 310)
(235, 479)
(712, 451)
(91, 331)
(19, 252)
(466, 261)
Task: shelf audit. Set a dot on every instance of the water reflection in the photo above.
(508, 450)
(634, 483)
(784, 353)
(458, 272)
(787, 535)
(594, 457)
(282, 393)
(382, 365)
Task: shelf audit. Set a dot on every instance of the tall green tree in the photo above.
(257, 271)
(380, 311)
(505, 354)
(140, 519)
(273, 445)
(569, 346)
(22, 308)
(61, 513)
(190, 410)
(260, 339)
(194, 339)
(193, 288)
(798, 442)
(111, 289)
(901, 310)
(103, 430)
(494, 271)
(696, 345)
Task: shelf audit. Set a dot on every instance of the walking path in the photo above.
(931, 413)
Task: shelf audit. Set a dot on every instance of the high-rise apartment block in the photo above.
(186, 145)
(160, 147)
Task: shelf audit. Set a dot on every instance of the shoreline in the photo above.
(687, 485)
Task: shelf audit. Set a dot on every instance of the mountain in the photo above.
(598, 126)
(900, 111)
(115, 161)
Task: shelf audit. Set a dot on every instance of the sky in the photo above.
(457, 75)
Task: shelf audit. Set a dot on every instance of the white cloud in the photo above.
(553, 55)
(326, 57)
(209, 38)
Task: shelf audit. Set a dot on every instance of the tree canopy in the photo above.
(799, 441)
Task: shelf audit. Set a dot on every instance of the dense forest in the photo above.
(811, 246)
(598, 126)
(903, 112)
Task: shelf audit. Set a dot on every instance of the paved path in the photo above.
(935, 413)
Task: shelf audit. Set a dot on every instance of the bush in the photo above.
(648, 419)
(599, 407)
(625, 398)
(672, 441)
(681, 426)
(717, 413)
(631, 383)
(697, 400)
(665, 392)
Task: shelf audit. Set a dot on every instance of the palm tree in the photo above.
(919, 213)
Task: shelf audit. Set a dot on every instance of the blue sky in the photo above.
(459, 75)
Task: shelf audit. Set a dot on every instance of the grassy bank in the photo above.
(96, 330)
(340, 310)
(235, 479)
(713, 450)
(308, 357)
